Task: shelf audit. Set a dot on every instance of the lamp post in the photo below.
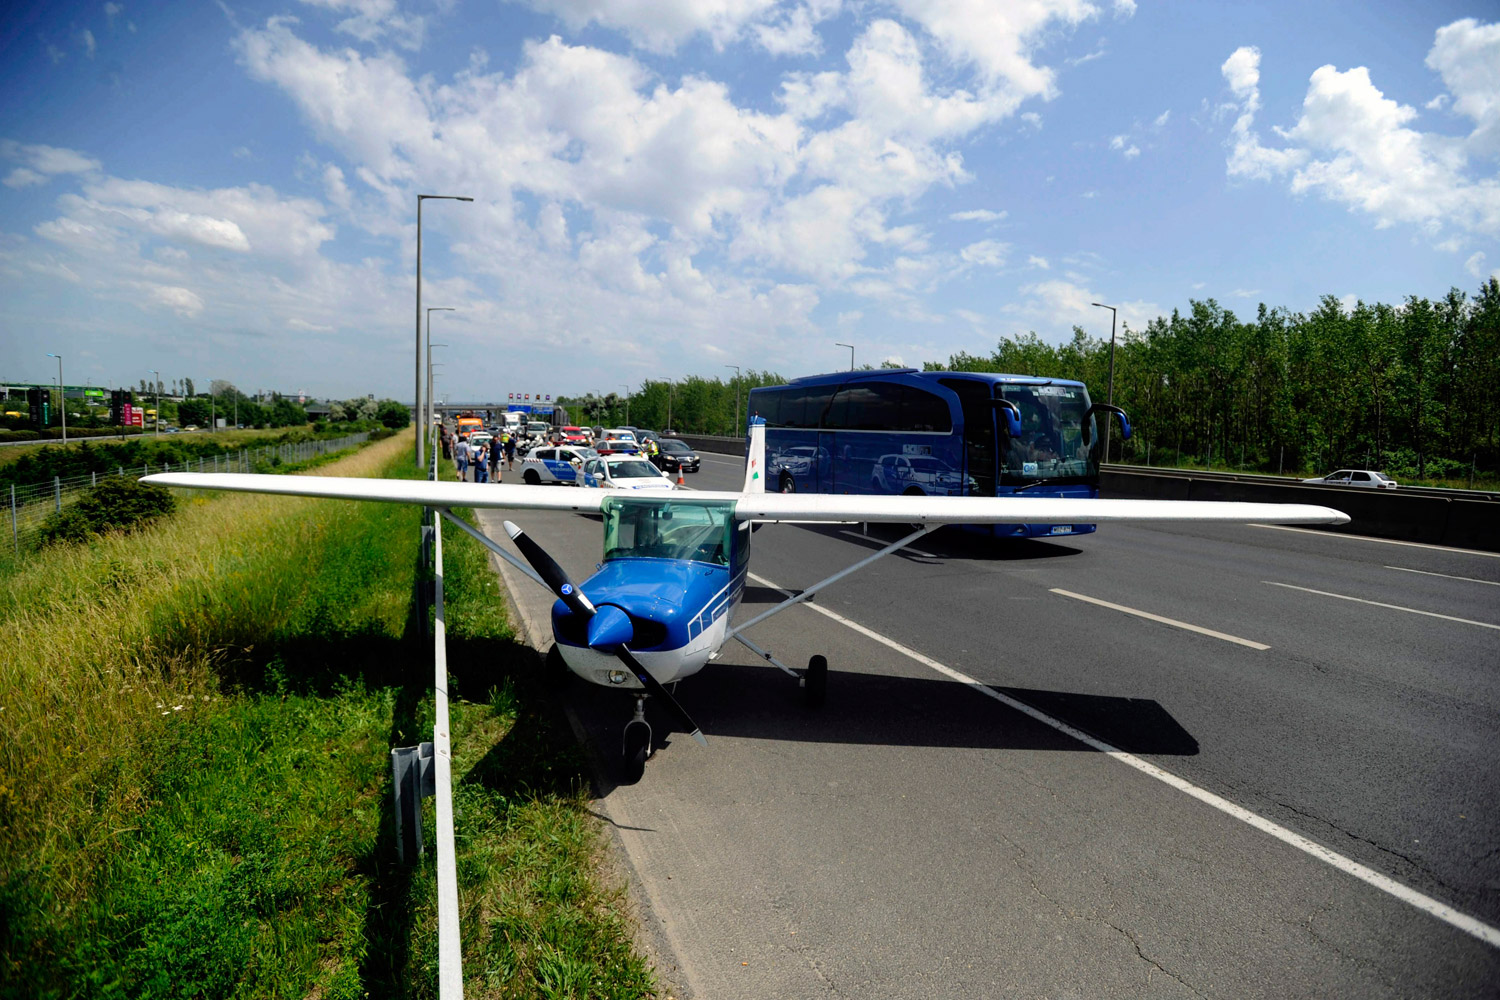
(851, 353)
(432, 402)
(427, 412)
(670, 387)
(627, 401)
(1108, 422)
(418, 400)
(736, 397)
(156, 384)
(62, 401)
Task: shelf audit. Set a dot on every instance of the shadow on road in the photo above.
(882, 710)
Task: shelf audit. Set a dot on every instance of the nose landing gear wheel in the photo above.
(815, 682)
(637, 749)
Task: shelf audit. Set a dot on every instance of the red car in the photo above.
(575, 435)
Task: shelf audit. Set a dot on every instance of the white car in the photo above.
(1363, 478)
(555, 465)
(624, 472)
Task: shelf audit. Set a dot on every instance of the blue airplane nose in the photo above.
(610, 627)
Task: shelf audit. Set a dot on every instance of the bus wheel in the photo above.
(788, 484)
(815, 682)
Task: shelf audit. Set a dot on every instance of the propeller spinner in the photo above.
(610, 629)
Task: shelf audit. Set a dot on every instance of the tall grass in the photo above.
(194, 795)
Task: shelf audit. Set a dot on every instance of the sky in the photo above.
(663, 188)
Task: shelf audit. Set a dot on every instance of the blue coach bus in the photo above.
(911, 432)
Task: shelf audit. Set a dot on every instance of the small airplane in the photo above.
(660, 607)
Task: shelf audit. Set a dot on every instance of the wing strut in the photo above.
(804, 595)
(494, 547)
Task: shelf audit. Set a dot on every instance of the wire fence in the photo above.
(31, 505)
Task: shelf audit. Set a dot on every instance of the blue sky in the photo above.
(665, 187)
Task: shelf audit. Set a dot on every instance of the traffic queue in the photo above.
(621, 458)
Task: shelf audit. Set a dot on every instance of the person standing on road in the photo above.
(496, 451)
(461, 459)
(479, 459)
(447, 442)
(510, 451)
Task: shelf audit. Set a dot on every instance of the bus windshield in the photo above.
(1053, 445)
(696, 530)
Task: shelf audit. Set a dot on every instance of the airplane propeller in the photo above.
(609, 630)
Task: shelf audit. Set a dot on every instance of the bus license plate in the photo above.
(1062, 529)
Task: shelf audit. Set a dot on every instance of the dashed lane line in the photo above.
(1445, 576)
(1442, 911)
(1382, 604)
(1165, 621)
(1383, 541)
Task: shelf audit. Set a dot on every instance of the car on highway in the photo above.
(575, 435)
(624, 472)
(675, 455)
(1363, 478)
(555, 465)
(617, 446)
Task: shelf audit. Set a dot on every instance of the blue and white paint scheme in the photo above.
(662, 603)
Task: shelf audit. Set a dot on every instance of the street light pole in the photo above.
(62, 400)
(627, 401)
(1108, 420)
(736, 397)
(156, 384)
(417, 402)
(851, 353)
(427, 413)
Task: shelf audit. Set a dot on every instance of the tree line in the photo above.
(1411, 389)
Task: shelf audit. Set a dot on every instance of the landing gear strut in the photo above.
(636, 746)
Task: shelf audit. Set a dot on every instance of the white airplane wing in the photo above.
(413, 491)
(758, 506)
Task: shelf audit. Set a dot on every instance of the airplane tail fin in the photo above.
(755, 457)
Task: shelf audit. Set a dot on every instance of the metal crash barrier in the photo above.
(427, 769)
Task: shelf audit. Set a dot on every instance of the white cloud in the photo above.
(23, 177)
(1056, 306)
(796, 34)
(45, 161)
(86, 38)
(978, 215)
(1245, 293)
(1355, 146)
(1032, 118)
(376, 20)
(661, 25)
(1039, 262)
(183, 302)
(1162, 119)
(985, 253)
(1467, 55)
(1438, 103)
(1475, 264)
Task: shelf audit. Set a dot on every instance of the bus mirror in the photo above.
(1012, 414)
(1106, 408)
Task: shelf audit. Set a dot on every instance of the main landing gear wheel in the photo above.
(815, 682)
(637, 748)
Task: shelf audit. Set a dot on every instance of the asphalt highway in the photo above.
(1301, 709)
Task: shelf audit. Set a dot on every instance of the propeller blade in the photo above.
(658, 690)
(610, 627)
(550, 572)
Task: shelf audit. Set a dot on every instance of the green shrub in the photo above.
(113, 505)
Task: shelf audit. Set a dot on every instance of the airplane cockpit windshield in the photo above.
(698, 530)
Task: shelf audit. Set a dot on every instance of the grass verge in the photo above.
(194, 789)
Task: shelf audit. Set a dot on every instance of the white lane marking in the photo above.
(1379, 604)
(1442, 911)
(1165, 621)
(740, 462)
(1383, 541)
(1445, 576)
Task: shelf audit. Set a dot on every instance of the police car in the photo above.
(551, 464)
(624, 472)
